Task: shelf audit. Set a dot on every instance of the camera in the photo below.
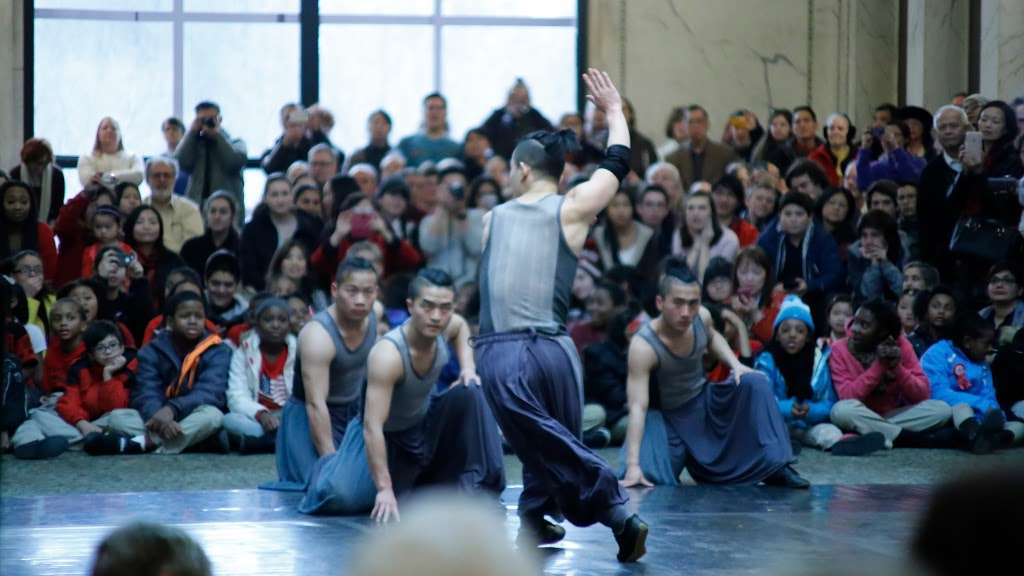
(458, 191)
(129, 258)
(210, 122)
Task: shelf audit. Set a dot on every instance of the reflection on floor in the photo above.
(702, 530)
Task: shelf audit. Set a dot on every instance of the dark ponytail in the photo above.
(546, 151)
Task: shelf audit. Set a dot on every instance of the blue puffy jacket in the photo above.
(821, 383)
(942, 362)
(159, 366)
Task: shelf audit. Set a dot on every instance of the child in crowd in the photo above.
(182, 379)
(875, 259)
(919, 276)
(45, 434)
(718, 286)
(604, 410)
(27, 269)
(757, 297)
(604, 302)
(260, 378)
(106, 229)
(905, 309)
(960, 377)
(301, 312)
(124, 295)
(95, 399)
(178, 280)
(800, 377)
(839, 311)
(223, 279)
(935, 311)
(86, 293)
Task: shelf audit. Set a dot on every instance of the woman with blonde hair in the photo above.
(109, 163)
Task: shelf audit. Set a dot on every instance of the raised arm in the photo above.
(383, 369)
(316, 352)
(457, 334)
(584, 202)
(642, 359)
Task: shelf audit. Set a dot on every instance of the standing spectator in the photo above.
(918, 123)
(895, 163)
(22, 229)
(476, 148)
(933, 209)
(837, 153)
(879, 382)
(621, 240)
(776, 147)
(701, 158)
(292, 145)
(451, 236)
(700, 237)
(805, 132)
(181, 217)
(144, 232)
(675, 132)
(319, 125)
(728, 196)
(506, 125)
(212, 157)
(432, 143)
(182, 379)
(875, 259)
(274, 222)
(906, 200)
(108, 163)
(220, 233)
(173, 130)
(742, 133)
(379, 127)
(366, 179)
(323, 163)
(44, 178)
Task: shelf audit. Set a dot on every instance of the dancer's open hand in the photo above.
(635, 477)
(385, 506)
(601, 91)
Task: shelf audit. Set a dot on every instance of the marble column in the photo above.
(11, 83)
(1002, 49)
(937, 51)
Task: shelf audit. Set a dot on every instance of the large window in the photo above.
(140, 61)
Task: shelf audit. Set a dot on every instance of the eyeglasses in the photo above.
(1007, 280)
(30, 271)
(107, 348)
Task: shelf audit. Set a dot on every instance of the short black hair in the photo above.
(969, 324)
(675, 270)
(180, 298)
(886, 317)
(430, 277)
(174, 121)
(802, 200)
(70, 302)
(351, 265)
(207, 105)
(924, 298)
(183, 273)
(436, 95)
(652, 188)
(223, 261)
(886, 224)
(380, 112)
(545, 151)
(617, 294)
(885, 187)
(805, 108)
(809, 168)
(98, 331)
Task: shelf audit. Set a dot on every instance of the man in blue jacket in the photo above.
(181, 384)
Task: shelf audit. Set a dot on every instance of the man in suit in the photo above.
(700, 158)
(936, 220)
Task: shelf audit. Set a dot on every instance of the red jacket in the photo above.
(87, 396)
(56, 365)
(823, 156)
(905, 386)
(401, 256)
(47, 251)
(745, 231)
(73, 235)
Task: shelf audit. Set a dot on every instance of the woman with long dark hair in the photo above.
(621, 239)
(701, 237)
(836, 209)
(21, 228)
(144, 232)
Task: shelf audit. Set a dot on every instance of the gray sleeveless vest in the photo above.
(677, 379)
(348, 368)
(409, 400)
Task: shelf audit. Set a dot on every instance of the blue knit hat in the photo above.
(793, 308)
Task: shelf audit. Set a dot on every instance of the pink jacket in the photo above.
(905, 386)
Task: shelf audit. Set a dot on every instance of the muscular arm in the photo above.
(584, 202)
(383, 369)
(642, 359)
(317, 352)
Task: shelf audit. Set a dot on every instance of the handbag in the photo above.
(983, 238)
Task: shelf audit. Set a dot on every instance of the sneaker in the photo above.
(109, 444)
(597, 438)
(538, 531)
(859, 445)
(787, 477)
(42, 449)
(632, 540)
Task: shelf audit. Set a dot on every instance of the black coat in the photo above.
(935, 216)
(605, 378)
(505, 130)
(195, 251)
(259, 243)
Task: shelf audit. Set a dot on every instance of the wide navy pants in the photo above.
(295, 454)
(531, 386)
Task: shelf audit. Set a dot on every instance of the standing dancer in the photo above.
(529, 367)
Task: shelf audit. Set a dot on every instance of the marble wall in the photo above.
(1002, 48)
(937, 51)
(11, 87)
(835, 54)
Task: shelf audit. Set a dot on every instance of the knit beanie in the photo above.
(793, 308)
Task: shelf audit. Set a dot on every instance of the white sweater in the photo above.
(123, 165)
(244, 376)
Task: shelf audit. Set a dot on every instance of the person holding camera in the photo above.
(213, 158)
(451, 235)
(109, 163)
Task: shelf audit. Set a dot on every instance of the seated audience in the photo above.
(451, 236)
(182, 379)
(935, 311)
(147, 549)
(219, 231)
(260, 379)
(127, 198)
(106, 230)
(621, 240)
(837, 152)
(800, 376)
(905, 310)
(919, 276)
(761, 201)
(27, 269)
(87, 293)
(604, 302)
(1005, 309)
(123, 291)
(22, 229)
(729, 196)
(74, 230)
(226, 306)
(144, 232)
(838, 313)
(807, 178)
(324, 162)
(717, 283)
(776, 146)
(837, 211)
(875, 259)
(181, 218)
(292, 261)
(274, 222)
(109, 163)
(44, 177)
(604, 384)
(757, 296)
(701, 237)
(879, 382)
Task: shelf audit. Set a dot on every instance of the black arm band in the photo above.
(616, 160)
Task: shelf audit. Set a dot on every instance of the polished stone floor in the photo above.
(694, 530)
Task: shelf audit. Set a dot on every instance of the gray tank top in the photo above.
(677, 379)
(526, 269)
(348, 368)
(409, 400)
